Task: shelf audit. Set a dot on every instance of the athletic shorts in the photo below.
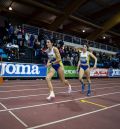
(84, 67)
(56, 66)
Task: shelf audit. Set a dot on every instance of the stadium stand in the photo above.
(27, 44)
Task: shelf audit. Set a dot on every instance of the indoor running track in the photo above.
(23, 105)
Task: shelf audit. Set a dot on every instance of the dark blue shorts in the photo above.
(56, 66)
(84, 67)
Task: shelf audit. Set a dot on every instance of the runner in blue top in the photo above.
(83, 67)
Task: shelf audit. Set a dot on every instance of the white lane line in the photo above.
(54, 87)
(33, 89)
(18, 119)
(24, 85)
(39, 80)
(73, 117)
(34, 95)
(58, 102)
(17, 97)
(41, 83)
(24, 82)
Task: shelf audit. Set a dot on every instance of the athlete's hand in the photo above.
(77, 71)
(94, 67)
(48, 64)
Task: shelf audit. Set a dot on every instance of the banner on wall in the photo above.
(99, 72)
(70, 71)
(10, 69)
(114, 72)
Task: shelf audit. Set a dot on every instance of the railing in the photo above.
(68, 38)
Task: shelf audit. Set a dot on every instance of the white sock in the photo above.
(52, 93)
(69, 86)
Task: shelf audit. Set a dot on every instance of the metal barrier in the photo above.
(68, 38)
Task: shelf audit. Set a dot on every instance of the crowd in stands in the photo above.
(25, 47)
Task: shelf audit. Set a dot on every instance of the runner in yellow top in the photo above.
(83, 67)
(55, 64)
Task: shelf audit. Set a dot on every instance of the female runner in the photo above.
(55, 64)
(83, 68)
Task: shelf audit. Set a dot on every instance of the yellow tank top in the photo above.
(52, 56)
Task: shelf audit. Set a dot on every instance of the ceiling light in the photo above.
(104, 37)
(10, 8)
(83, 31)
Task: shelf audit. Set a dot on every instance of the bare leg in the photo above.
(81, 73)
(87, 72)
(62, 78)
(48, 79)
